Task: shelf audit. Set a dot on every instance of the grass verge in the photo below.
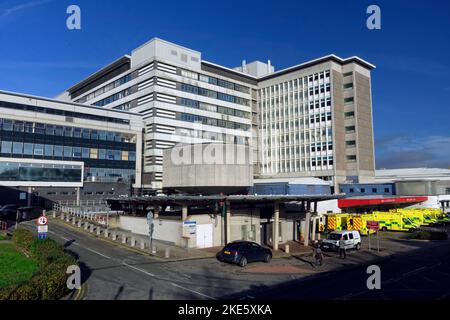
(15, 267)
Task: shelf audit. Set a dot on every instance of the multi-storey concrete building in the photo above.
(310, 120)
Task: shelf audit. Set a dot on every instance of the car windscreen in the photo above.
(334, 236)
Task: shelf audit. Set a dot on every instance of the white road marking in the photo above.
(193, 291)
(100, 254)
(138, 269)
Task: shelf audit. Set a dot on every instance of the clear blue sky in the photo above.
(411, 85)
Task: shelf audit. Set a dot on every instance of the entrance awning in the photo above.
(363, 202)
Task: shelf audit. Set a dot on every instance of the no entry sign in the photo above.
(42, 221)
(373, 225)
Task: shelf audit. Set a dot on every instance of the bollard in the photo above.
(74, 221)
(92, 228)
(133, 241)
(79, 224)
(86, 226)
(61, 216)
(99, 231)
(286, 248)
(114, 236)
(153, 249)
(167, 253)
(67, 218)
(124, 239)
(106, 233)
(142, 245)
(54, 214)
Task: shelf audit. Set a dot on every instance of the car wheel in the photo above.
(358, 246)
(267, 258)
(243, 262)
(384, 229)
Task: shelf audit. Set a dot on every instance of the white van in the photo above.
(352, 240)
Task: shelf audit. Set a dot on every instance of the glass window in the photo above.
(117, 155)
(48, 150)
(110, 136)
(17, 147)
(58, 151)
(132, 156)
(85, 153)
(29, 127)
(59, 131)
(125, 155)
(49, 130)
(76, 152)
(28, 148)
(6, 146)
(68, 131)
(86, 134)
(102, 135)
(110, 155)
(39, 128)
(102, 154)
(77, 133)
(94, 135)
(67, 152)
(94, 153)
(7, 125)
(38, 149)
(18, 126)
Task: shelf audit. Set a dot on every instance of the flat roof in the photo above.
(374, 201)
(297, 67)
(69, 103)
(97, 74)
(174, 199)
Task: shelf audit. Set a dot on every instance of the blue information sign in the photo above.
(42, 236)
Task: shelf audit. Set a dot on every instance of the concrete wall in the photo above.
(207, 165)
(164, 230)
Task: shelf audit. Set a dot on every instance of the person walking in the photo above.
(318, 255)
(342, 251)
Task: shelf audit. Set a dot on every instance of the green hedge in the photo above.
(429, 235)
(49, 282)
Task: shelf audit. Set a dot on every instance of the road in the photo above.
(418, 274)
(113, 273)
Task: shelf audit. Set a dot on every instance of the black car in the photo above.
(8, 212)
(242, 252)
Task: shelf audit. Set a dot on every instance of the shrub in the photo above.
(23, 239)
(50, 281)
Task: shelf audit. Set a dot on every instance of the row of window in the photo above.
(106, 88)
(117, 96)
(219, 109)
(214, 122)
(320, 118)
(38, 173)
(62, 131)
(213, 94)
(60, 112)
(20, 148)
(363, 190)
(215, 81)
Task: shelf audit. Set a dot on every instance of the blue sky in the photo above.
(411, 85)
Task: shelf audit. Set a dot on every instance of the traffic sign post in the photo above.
(373, 225)
(42, 226)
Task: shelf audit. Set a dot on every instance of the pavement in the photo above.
(113, 272)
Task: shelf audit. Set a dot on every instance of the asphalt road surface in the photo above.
(113, 273)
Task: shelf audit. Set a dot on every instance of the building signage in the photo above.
(191, 226)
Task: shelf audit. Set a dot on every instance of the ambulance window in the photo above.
(351, 236)
(345, 237)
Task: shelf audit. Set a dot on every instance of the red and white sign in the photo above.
(373, 225)
(42, 221)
